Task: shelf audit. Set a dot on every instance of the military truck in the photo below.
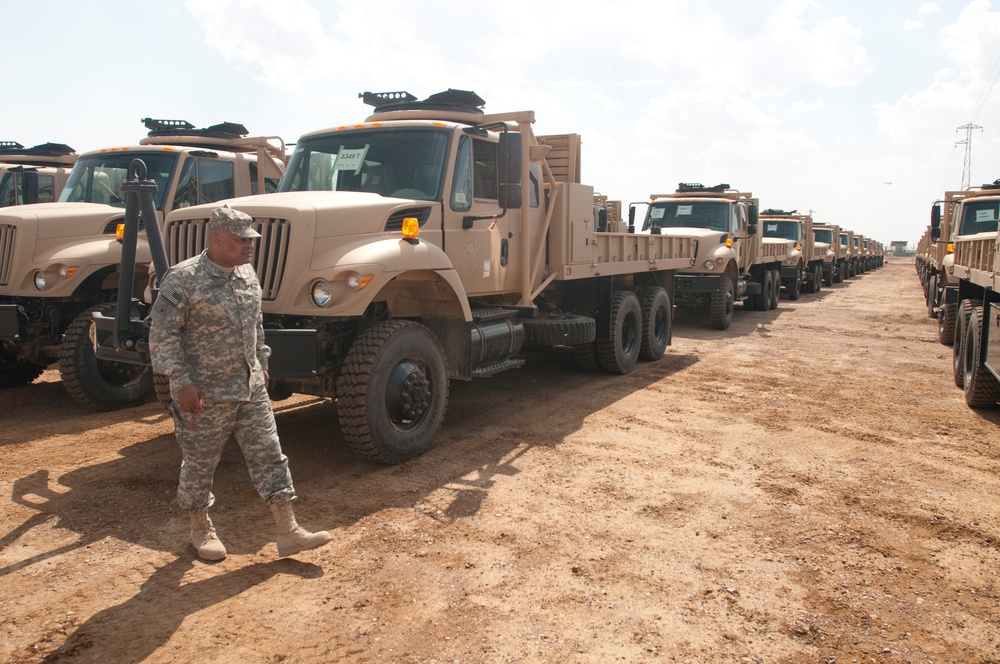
(59, 262)
(803, 266)
(733, 263)
(835, 260)
(975, 236)
(935, 256)
(432, 242)
(33, 175)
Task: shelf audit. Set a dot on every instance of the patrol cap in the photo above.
(227, 219)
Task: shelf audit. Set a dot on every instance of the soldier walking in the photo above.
(207, 336)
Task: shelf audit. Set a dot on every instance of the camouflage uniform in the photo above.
(207, 331)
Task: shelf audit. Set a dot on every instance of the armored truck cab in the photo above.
(59, 262)
(431, 242)
(33, 175)
(733, 263)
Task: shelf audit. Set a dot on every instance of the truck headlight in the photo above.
(709, 265)
(39, 280)
(357, 281)
(321, 293)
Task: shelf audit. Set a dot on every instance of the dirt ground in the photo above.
(808, 486)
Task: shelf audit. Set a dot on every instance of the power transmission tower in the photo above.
(967, 142)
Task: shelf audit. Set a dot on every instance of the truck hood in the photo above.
(63, 220)
(334, 213)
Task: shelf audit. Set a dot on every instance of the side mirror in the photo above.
(509, 158)
(752, 229)
(752, 217)
(30, 178)
(602, 220)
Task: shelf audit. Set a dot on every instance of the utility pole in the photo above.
(967, 142)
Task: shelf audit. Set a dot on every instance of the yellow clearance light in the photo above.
(376, 124)
(359, 126)
(798, 247)
(951, 248)
(411, 227)
(729, 242)
(120, 231)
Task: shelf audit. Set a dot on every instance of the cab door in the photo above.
(478, 248)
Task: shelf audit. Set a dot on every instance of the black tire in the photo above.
(561, 330)
(722, 305)
(392, 391)
(760, 302)
(161, 386)
(794, 286)
(656, 315)
(946, 323)
(932, 296)
(775, 289)
(958, 343)
(841, 269)
(619, 353)
(982, 389)
(16, 374)
(98, 383)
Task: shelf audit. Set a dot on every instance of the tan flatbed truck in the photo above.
(59, 262)
(33, 175)
(835, 261)
(936, 256)
(734, 263)
(975, 236)
(432, 242)
(802, 269)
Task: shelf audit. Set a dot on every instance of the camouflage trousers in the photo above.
(252, 424)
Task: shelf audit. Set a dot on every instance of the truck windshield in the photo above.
(823, 235)
(98, 178)
(979, 217)
(710, 215)
(844, 241)
(788, 230)
(404, 163)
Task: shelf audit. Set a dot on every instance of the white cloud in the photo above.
(912, 25)
(928, 8)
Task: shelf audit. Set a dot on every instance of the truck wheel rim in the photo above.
(408, 395)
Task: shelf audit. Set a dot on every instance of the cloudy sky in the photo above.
(848, 108)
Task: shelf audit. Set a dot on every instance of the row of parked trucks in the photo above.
(430, 242)
(957, 260)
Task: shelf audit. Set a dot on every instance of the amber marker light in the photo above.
(120, 231)
(951, 248)
(411, 228)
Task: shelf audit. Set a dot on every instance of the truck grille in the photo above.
(6, 252)
(186, 238)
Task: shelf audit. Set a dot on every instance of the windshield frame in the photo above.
(826, 232)
(408, 174)
(79, 186)
(782, 224)
(673, 210)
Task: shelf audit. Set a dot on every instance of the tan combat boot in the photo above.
(204, 538)
(292, 538)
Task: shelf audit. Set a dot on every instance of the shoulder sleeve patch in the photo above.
(171, 295)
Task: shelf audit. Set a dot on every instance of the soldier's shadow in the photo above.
(150, 617)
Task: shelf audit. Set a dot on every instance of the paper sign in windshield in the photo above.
(350, 160)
